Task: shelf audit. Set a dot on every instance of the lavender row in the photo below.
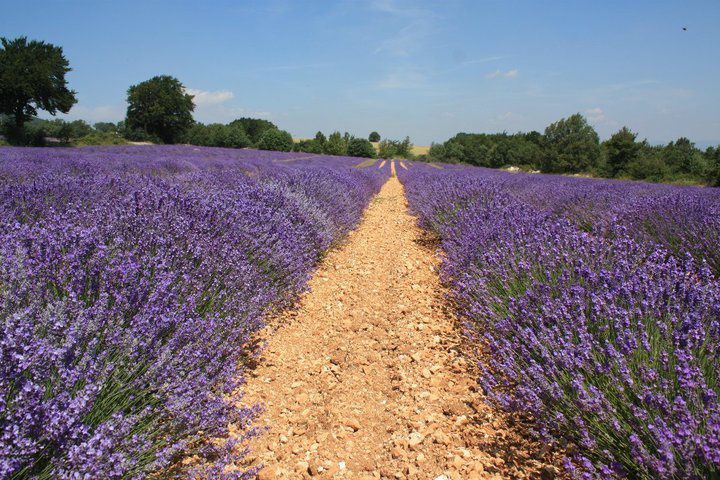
(610, 343)
(679, 219)
(131, 282)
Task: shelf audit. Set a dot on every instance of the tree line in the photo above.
(32, 78)
(572, 146)
(160, 110)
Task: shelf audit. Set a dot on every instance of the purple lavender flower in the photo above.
(599, 302)
(131, 281)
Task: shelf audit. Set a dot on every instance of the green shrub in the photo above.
(274, 139)
(100, 138)
(359, 147)
(254, 127)
(335, 144)
(308, 146)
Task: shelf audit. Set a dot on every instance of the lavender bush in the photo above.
(131, 280)
(610, 341)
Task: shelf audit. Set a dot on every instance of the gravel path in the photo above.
(368, 378)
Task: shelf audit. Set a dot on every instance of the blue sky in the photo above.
(427, 69)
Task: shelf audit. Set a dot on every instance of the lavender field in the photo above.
(597, 306)
(134, 282)
(131, 282)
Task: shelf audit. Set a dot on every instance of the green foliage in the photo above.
(254, 128)
(308, 146)
(65, 131)
(648, 166)
(40, 132)
(682, 157)
(274, 139)
(359, 147)
(712, 157)
(335, 144)
(100, 138)
(395, 148)
(374, 137)
(106, 127)
(572, 146)
(490, 150)
(436, 153)
(160, 107)
(320, 138)
(217, 135)
(32, 78)
(621, 149)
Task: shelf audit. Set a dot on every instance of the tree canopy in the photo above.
(160, 107)
(572, 146)
(254, 127)
(374, 137)
(359, 147)
(274, 139)
(32, 78)
(621, 149)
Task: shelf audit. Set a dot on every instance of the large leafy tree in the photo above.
(254, 127)
(683, 158)
(374, 137)
(622, 149)
(275, 139)
(335, 145)
(160, 107)
(359, 147)
(572, 146)
(32, 78)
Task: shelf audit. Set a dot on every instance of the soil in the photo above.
(370, 377)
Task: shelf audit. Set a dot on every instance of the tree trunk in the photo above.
(19, 118)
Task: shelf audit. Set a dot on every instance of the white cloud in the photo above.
(401, 79)
(202, 98)
(595, 115)
(482, 60)
(213, 107)
(507, 116)
(499, 74)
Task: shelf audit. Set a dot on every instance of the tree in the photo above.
(572, 146)
(374, 137)
(308, 146)
(320, 138)
(217, 135)
(105, 127)
(386, 149)
(622, 149)
(649, 165)
(359, 147)
(32, 78)
(712, 156)
(395, 148)
(235, 137)
(160, 107)
(683, 158)
(335, 145)
(275, 139)
(254, 127)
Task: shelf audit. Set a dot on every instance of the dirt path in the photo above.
(367, 379)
